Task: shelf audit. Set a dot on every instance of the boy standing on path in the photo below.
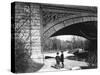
(57, 61)
(62, 59)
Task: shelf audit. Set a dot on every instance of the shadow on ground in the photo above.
(34, 66)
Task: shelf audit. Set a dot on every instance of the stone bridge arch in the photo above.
(30, 27)
(65, 22)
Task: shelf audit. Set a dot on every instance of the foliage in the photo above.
(79, 43)
(57, 45)
(52, 45)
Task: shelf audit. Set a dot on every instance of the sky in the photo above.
(64, 37)
(68, 37)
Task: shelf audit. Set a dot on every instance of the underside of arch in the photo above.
(81, 29)
(77, 21)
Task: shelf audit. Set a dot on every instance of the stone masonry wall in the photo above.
(27, 28)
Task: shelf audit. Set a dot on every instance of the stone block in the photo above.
(86, 19)
(51, 31)
(59, 26)
(93, 18)
(77, 20)
(35, 22)
(68, 22)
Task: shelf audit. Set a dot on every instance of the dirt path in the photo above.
(69, 64)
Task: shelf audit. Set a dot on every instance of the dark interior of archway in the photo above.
(84, 29)
(87, 30)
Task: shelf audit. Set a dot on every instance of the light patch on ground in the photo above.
(68, 64)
